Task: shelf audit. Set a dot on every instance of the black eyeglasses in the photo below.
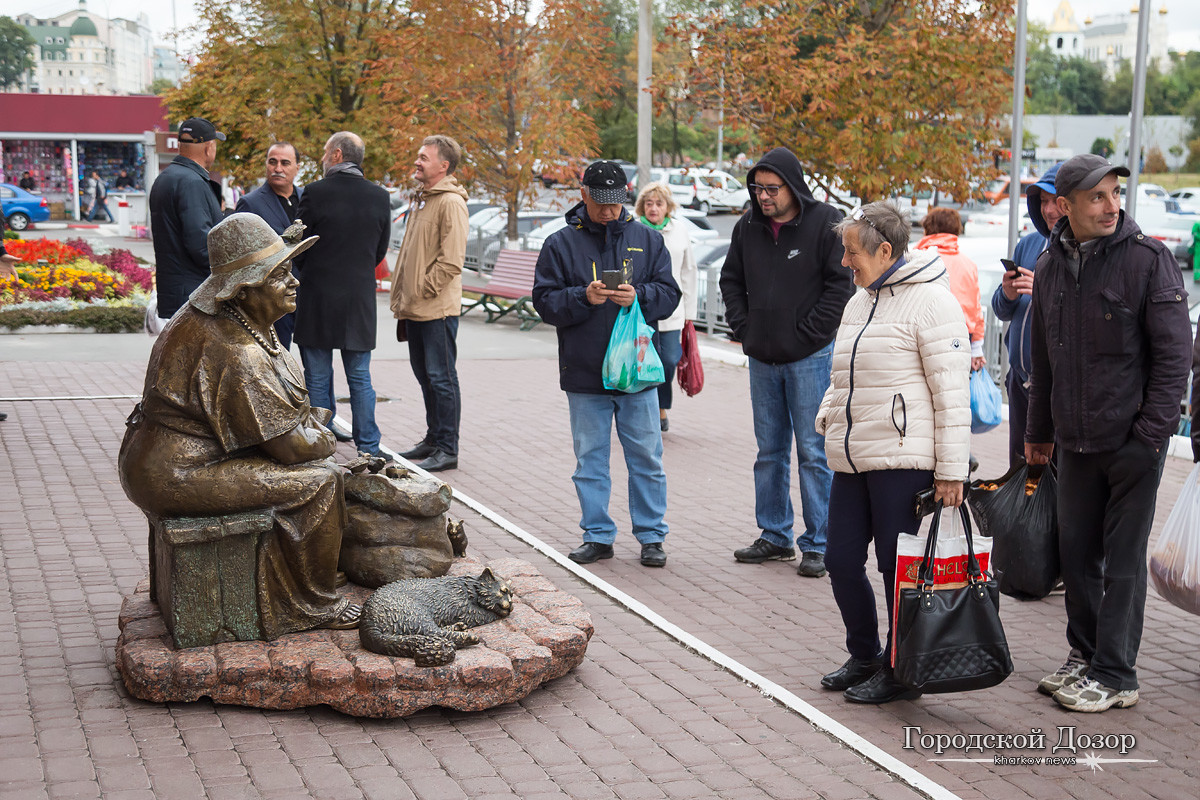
(769, 191)
(858, 216)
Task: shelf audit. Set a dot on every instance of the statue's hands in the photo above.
(302, 443)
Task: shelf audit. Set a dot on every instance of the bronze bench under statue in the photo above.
(204, 576)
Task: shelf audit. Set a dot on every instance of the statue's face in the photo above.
(277, 296)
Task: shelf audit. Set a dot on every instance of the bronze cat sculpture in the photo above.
(426, 619)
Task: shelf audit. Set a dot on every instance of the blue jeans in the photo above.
(638, 430)
(99, 205)
(433, 352)
(785, 399)
(318, 377)
(670, 350)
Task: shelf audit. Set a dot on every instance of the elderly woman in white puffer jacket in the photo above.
(896, 419)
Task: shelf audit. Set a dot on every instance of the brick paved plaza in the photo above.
(642, 717)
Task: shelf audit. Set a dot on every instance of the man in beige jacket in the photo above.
(427, 296)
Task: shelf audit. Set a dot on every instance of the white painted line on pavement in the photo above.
(819, 719)
(55, 398)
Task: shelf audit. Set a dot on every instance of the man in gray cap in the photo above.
(184, 205)
(570, 292)
(1111, 349)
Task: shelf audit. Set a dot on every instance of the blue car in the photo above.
(21, 207)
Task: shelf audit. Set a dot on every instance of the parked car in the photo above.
(1188, 198)
(21, 207)
(561, 173)
(997, 189)
(918, 203)
(993, 220)
(400, 219)
(707, 251)
(1173, 230)
(485, 241)
(708, 190)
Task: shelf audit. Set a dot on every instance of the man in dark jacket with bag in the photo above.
(1111, 347)
(785, 289)
(184, 205)
(335, 306)
(569, 293)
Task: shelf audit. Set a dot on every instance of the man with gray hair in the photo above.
(427, 296)
(335, 309)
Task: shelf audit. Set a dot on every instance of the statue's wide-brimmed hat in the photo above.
(242, 251)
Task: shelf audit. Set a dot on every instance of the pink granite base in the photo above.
(544, 638)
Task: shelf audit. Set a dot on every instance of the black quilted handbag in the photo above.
(949, 637)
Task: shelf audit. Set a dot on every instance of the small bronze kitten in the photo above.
(426, 619)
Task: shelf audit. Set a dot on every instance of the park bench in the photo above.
(509, 289)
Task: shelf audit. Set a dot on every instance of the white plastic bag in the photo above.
(152, 324)
(1175, 560)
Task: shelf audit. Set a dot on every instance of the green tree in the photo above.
(15, 56)
(1102, 147)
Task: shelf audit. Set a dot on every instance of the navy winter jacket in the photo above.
(577, 255)
(784, 297)
(184, 205)
(1016, 312)
(1111, 350)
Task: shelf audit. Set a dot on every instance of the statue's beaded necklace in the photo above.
(232, 312)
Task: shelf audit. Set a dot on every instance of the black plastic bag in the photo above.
(1023, 528)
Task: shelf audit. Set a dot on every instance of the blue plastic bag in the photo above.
(631, 363)
(985, 402)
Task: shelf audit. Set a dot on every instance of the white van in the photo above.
(708, 190)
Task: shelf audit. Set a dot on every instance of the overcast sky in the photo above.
(1183, 15)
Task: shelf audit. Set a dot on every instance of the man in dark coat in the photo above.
(184, 204)
(569, 293)
(335, 309)
(1111, 347)
(278, 202)
(785, 287)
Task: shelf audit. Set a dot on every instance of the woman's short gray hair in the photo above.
(876, 223)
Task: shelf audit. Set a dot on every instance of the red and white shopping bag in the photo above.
(949, 560)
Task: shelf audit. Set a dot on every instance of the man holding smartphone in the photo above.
(602, 262)
(1010, 302)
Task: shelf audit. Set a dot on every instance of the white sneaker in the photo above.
(1072, 670)
(1087, 695)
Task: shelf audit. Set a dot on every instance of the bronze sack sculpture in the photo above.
(225, 429)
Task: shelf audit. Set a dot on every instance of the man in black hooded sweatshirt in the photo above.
(784, 289)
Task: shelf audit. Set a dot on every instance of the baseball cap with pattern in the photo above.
(198, 129)
(606, 182)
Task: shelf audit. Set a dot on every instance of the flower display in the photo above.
(49, 270)
(32, 251)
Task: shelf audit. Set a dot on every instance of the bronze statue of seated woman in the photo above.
(225, 428)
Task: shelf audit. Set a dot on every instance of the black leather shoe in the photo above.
(852, 673)
(590, 552)
(653, 555)
(422, 450)
(340, 435)
(438, 461)
(882, 687)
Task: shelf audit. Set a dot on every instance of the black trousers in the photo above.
(433, 355)
(1105, 510)
(867, 507)
(1018, 412)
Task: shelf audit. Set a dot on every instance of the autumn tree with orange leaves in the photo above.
(294, 70)
(877, 93)
(504, 81)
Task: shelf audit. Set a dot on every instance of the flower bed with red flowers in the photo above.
(67, 283)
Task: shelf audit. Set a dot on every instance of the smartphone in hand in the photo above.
(611, 278)
(1010, 267)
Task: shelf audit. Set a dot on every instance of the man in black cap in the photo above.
(184, 204)
(1111, 349)
(570, 293)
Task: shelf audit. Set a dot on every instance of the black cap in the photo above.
(198, 129)
(606, 182)
(1083, 172)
